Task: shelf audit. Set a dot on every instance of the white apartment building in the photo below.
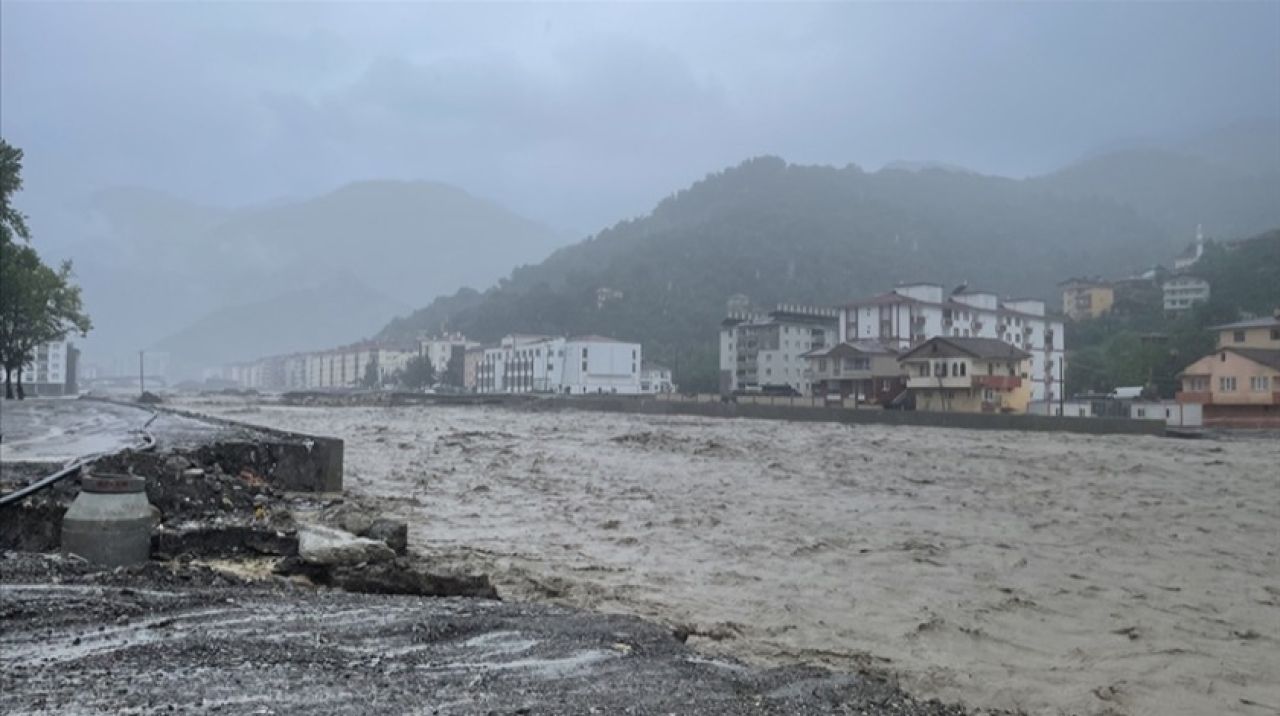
(441, 349)
(52, 371)
(343, 367)
(548, 364)
(765, 351)
(1183, 292)
(913, 313)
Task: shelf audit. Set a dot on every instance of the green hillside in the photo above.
(780, 232)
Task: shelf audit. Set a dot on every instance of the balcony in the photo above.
(997, 382)
(1202, 397)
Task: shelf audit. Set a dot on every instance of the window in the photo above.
(964, 369)
(1275, 334)
(1238, 336)
(768, 371)
(1259, 383)
(633, 355)
(1227, 384)
(924, 370)
(584, 352)
(584, 366)
(1200, 383)
(822, 365)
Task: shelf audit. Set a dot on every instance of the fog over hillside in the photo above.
(403, 153)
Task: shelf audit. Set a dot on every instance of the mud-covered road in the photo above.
(155, 640)
(1047, 572)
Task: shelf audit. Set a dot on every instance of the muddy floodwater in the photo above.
(1052, 573)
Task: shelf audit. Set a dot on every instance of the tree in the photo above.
(418, 373)
(38, 304)
(454, 372)
(12, 222)
(372, 379)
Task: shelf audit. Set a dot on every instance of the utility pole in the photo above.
(142, 381)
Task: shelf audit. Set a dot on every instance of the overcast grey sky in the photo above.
(580, 115)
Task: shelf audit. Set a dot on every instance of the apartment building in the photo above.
(864, 371)
(911, 314)
(344, 367)
(970, 375)
(441, 351)
(579, 365)
(1183, 292)
(1084, 298)
(765, 351)
(52, 370)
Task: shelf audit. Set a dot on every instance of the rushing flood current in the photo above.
(1045, 572)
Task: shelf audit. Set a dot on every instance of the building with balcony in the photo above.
(1236, 387)
(1084, 298)
(862, 371)
(765, 351)
(52, 370)
(1183, 291)
(911, 314)
(971, 375)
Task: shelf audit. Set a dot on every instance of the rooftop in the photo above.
(1266, 322)
(981, 348)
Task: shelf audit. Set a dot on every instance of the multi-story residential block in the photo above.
(765, 351)
(1183, 292)
(911, 314)
(52, 370)
(344, 367)
(968, 375)
(444, 352)
(471, 366)
(578, 365)
(655, 378)
(865, 371)
(1084, 298)
(1253, 333)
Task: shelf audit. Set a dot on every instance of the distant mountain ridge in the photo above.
(150, 262)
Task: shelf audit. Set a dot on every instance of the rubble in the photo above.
(328, 547)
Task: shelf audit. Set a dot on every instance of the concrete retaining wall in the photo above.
(781, 411)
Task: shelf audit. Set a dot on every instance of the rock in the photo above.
(176, 465)
(393, 532)
(350, 518)
(401, 576)
(318, 544)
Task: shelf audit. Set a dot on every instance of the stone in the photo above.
(401, 576)
(322, 545)
(394, 532)
(350, 518)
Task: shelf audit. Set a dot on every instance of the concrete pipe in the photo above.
(110, 521)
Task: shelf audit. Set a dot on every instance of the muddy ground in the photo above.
(1047, 572)
(182, 638)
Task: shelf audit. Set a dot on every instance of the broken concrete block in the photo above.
(393, 532)
(328, 546)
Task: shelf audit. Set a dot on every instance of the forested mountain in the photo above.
(780, 232)
(1214, 188)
